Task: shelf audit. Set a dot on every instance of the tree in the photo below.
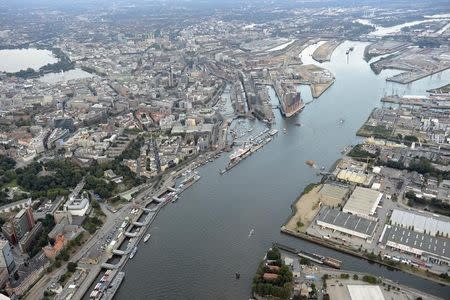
(71, 266)
(355, 277)
(273, 254)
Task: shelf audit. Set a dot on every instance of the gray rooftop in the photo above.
(348, 221)
(436, 246)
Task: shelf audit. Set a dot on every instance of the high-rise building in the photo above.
(6, 256)
(23, 222)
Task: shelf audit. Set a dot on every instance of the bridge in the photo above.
(109, 266)
(147, 210)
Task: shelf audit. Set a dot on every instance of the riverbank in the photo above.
(307, 206)
(323, 52)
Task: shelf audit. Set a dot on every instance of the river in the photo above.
(382, 31)
(199, 242)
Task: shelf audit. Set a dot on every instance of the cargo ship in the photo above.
(147, 237)
(133, 252)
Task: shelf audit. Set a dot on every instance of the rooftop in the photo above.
(416, 242)
(363, 201)
(347, 221)
(366, 292)
(420, 223)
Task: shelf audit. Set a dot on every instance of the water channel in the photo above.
(199, 242)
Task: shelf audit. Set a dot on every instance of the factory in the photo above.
(363, 202)
(334, 219)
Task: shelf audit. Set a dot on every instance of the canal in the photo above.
(199, 242)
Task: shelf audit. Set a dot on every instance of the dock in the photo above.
(113, 286)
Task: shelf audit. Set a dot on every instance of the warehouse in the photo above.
(420, 223)
(363, 202)
(427, 247)
(334, 219)
(366, 292)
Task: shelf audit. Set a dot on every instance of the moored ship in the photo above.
(147, 237)
(133, 252)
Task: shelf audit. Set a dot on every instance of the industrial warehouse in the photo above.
(428, 248)
(363, 202)
(353, 225)
(420, 223)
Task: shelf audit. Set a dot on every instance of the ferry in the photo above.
(147, 237)
(133, 252)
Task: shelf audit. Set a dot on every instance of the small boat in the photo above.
(341, 121)
(133, 252)
(252, 231)
(175, 198)
(284, 130)
(147, 237)
(298, 124)
(237, 275)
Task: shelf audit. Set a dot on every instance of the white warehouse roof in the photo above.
(420, 223)
(366, 292)
(362, 202)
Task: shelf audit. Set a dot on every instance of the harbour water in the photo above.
(14, 60)
(202, 240)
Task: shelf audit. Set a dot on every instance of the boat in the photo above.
(298, 124)
(174, 198)
(347, 52)
(284, 130)
(133, 252)
(147, 237)
(351, 48)
(273, 132)
(237, 275)
(332, 262)
(252, 231)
